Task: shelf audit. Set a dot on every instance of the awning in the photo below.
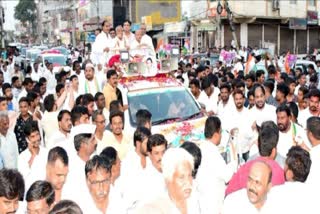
(68, 30)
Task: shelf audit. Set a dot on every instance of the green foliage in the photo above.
(25, 11)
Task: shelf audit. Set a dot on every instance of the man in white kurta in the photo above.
(313, 130)
(236, 120)
(91, 83)
(32, 161)
(209, 97)
(8, 143)
(313, 108)
(211, 186)
(102, 45)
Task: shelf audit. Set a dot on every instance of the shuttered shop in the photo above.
(286, 39)
(254, 35)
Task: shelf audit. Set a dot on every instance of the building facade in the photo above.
(284, 25)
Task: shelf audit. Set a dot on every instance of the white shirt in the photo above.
(131, 174)
(304, 115)
(51, 81)
(261, 115)
(49, 124)
(35, 76)
(87, 204)
(153, 184)
(211, 102)
(76, 181)
(9, 150)
(239, 119)
(129, 39)
(90, 86)
(213, 174)
(119, 44)
(102, 41)
(163, 204)
(224, 109)
(314, 175)
(238, 202)
(285, 197)
(286, 140)
(146, 39)
(60, 139)
(37, 169)
(6, 76)
(23, 93)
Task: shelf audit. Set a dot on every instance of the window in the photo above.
(311, 2)
(293, 1)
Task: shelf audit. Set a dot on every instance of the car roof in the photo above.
(137, 83)
(304, 62)
(51, 54)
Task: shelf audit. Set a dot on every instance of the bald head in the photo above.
(259, 183)
(138, 35)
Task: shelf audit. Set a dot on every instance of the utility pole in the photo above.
(232, 28)
(98, 14)
(74, 12)
(218, 22)
(1, 25)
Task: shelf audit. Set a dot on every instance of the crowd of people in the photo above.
(64, 149)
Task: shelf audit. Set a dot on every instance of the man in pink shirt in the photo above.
(267, 144)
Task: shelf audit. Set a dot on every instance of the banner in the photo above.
(227, 56)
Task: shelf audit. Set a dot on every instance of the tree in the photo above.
(26, 12)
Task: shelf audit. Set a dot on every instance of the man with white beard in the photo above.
(177, 165)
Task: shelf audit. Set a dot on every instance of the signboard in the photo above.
(161, 11)
(312, 17)
(297, 24)
(206, 27)
(148, 21)
(174, 27)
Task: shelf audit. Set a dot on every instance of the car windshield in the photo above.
(165, 104)
(23, 51)
(56, 60)
(63, 51)
(34, 55)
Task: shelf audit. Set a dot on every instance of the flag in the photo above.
(187, 44)
(160, 44)
(248, 64)
(286, 63)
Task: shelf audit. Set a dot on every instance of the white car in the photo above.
(303, 64)
(58, 61)
(175, 112)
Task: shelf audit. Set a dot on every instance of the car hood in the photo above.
(178, 132)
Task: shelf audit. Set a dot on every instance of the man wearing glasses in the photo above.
(98, 199)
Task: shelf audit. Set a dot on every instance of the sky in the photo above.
(9, 13)
(185, 6)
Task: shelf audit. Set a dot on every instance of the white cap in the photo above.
(67, 68)
(82, 129)
(89, 65)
